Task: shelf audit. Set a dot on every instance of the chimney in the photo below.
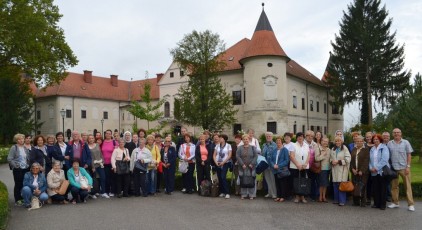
(114, 81)
(159, 76)
(88, 76)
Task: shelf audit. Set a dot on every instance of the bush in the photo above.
(416, 190)
(4, 205)
(3, 154)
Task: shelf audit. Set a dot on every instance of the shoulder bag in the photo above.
(160, 163)
(346, 186)
(183, 166)
(122, 166)
(285, 172)
(302, 185)
(63, 187)
(387, 172)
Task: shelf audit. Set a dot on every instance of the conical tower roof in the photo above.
(264, 42)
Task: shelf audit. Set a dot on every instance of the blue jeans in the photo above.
(102, 175)
(152, 180)
(27, 194)
(339, 196)
(222, 174)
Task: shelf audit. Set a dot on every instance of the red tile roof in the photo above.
(264, 43)
(100, 88)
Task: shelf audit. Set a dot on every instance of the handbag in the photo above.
(160, 163)
(122, 167)
(83, 182)
(63, 187)
(141, 166)
(389, 173)
(302, 185)
(35, 203)
(285, 172)
(183, 166)
(316, 167)
(247, 180)
(358, 191)
(345, 186)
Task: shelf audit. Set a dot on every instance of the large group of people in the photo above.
(55, 171)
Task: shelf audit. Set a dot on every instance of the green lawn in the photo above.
(416, 170)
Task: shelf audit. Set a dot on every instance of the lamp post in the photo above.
(62, 113)
(102, 126)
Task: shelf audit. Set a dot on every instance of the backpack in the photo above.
(206, 188)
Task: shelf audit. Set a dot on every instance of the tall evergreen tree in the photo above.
(366, 62)
(203, 101)
(405, 114)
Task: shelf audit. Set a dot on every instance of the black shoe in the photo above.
(374, 206)
(125, 195)
(382, 208)
(388, 199)
(119, 196)
(137, 195)
(158, 191)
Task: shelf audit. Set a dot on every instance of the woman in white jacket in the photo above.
(139, 160)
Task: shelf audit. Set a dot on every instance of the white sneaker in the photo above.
(183, 190)
(111, 194)
(393, 205)
(97, 194)
(267, 196)
(411, 208)
(94, 197)
(104, 195)
(222, 195)
(227, 196)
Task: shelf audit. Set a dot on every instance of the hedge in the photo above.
(4, 205)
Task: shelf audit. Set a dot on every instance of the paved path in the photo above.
(181, 211)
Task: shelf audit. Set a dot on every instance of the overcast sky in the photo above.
(131, 37)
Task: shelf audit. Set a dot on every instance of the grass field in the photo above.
(416, 170)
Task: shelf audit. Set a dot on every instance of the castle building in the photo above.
(271, 91)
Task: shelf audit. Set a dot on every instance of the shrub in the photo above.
(4, 205)
(3, 154)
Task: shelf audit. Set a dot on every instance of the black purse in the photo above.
(247, 180)
(388, 173)
(302, 185)
(122, 167)
(285, 172)
(141, 166)
(359, 186)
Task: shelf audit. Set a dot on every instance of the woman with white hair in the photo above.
(34, 184)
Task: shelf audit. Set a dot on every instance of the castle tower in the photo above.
(265, 80)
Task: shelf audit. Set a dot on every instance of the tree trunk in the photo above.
(369, 95)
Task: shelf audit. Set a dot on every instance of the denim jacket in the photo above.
(382, 157)
(283, 159)
(268, 149)
(28, 180)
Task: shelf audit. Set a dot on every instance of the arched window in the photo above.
(166, 109)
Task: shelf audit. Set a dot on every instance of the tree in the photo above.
(31, 40)
(405, 114)
(16, 103)
(366, 63)
(149, 112)
(203, 101)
